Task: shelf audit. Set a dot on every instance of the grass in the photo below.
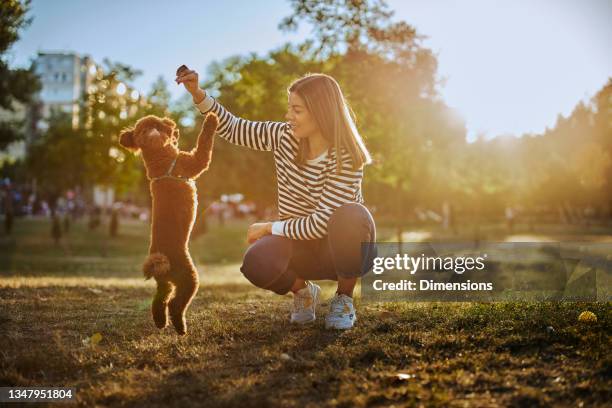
(241, 350)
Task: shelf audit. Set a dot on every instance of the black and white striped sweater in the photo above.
(307, 194)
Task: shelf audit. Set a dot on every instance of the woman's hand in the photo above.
(258, 230)
(189, 78)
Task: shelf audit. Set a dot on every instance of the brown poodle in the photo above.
(172, 173)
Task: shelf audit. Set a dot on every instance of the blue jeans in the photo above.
(275, 262)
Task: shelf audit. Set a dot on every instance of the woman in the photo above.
(319, 157)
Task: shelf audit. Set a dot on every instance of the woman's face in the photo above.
(302, 123)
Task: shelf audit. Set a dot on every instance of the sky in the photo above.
(510, 67)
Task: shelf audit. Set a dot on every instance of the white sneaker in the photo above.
(341, 313)
(305, 304)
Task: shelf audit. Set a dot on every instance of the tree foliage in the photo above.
(421, 156)
(16, 85)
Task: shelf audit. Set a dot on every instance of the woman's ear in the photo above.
(126, 139)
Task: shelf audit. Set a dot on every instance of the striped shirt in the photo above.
(307, 194)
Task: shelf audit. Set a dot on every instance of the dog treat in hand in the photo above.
(181, 69)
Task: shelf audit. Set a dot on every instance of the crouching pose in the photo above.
(319, 157)
(172, 173)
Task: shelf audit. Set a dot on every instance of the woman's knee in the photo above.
(352, 220)
(352, 237)
(265, 264)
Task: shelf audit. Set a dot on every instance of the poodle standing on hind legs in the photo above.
(172, 173)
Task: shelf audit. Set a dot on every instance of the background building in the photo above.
(64, 77)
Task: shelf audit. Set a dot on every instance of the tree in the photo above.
(341, 26)
(15, 84)
(57, 158)
(603, 131)
(390, 80)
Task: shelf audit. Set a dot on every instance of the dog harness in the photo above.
(168, 175)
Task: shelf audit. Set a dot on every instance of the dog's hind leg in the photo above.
(159, 307)
(186, 288)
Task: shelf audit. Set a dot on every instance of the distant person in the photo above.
(66, 223)
(114, 223)
(56, 228)
(94, 218)
(9, 210)
(319, 157)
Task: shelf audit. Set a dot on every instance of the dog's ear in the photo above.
(126, 139)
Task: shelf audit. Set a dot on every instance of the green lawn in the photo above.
(77, 315)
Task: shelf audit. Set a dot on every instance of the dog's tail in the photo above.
(157, 265)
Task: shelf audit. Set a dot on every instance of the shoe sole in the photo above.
(335, 326)
(315, 302)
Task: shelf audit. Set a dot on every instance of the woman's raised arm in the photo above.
(254, 135)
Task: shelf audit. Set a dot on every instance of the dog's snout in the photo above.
(154, 133)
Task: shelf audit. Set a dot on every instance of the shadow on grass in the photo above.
(254, 372)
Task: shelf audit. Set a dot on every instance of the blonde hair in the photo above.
(325, 102)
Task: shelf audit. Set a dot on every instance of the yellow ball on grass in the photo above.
(587, 317)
